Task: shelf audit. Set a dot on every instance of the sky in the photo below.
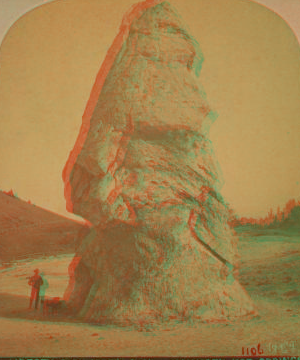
(250, 74)
(11, 10)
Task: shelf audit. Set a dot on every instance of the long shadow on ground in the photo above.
(16, 306)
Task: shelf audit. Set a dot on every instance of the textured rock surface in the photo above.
(143, 173)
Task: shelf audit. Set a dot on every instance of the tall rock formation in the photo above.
(143, 173)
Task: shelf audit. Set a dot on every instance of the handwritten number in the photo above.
(253, 350)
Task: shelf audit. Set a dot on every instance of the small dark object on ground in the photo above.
(53, 305)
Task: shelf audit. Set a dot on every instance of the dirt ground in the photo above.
(269, 271)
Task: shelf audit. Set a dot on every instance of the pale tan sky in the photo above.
(50, 57)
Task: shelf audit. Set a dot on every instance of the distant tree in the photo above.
(293, 218)
(289, 207)
(233, 220)
(9, 193)
(271, 217)
(279, 214)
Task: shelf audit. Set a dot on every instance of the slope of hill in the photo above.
(28, 231)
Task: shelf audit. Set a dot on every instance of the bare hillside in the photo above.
(28, 231)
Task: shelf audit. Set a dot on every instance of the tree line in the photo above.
(289, 215)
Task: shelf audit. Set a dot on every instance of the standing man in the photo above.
(35, 282)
